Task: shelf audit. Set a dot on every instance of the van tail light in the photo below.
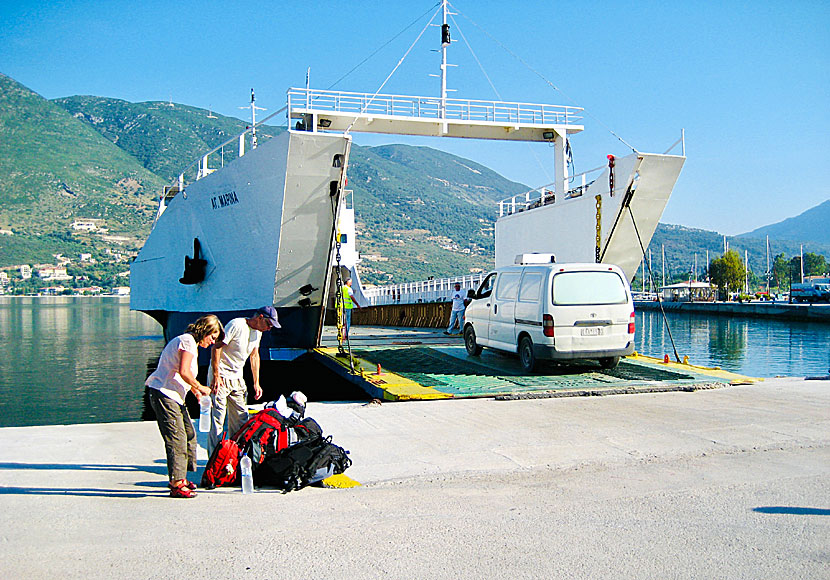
(547, 325)
(631, 324)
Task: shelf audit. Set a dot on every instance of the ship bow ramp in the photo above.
(264, 225)
(567, 228)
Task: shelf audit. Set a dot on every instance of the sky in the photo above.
(749, 82)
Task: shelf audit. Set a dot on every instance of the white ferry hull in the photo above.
(568, 228)
(265, 225)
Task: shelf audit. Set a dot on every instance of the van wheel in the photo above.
(609, 362)
(526, 355)
(473, 349)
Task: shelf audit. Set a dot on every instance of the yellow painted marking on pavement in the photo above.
(394, 387)
(340, 481)
(716, 372)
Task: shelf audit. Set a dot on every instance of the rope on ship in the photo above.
(627, 203)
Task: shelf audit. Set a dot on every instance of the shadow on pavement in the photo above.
(790, 510)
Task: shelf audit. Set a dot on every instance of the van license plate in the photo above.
(591, 331)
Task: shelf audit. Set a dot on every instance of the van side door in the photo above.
(478, 311)
(502, 311)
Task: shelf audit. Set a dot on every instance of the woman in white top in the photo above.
(168, 386)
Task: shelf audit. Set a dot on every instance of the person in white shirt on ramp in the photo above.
(458, 307)
(228, 389)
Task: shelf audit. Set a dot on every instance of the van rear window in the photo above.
(583, 288)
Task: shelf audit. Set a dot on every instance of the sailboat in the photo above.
(263, 229)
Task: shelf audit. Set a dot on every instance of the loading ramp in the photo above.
(422, 364)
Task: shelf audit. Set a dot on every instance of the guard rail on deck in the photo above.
(435, 290)
(431, 107)
(543, 195)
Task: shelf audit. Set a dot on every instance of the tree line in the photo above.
(729, 273)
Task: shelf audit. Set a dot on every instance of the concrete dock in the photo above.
(731, 482)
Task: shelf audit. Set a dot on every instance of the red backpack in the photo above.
(265, 430)
(221, 468)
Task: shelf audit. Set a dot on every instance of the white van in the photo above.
(544, 310)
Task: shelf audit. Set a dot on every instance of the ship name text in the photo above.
(224, 200)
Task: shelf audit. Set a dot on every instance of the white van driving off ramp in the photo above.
(543, 310)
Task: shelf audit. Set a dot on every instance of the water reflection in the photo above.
(73, 360)
(751, 346)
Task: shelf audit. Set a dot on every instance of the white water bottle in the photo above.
(204, 414)
(247, 476)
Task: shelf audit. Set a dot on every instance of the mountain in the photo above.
(164, 137)
(430, 213)
(682, 246)
(55, 168)
(810, 226)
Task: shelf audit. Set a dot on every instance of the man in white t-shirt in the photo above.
(227, 359)
(458, 307)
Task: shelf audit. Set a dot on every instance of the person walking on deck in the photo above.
(458, 307)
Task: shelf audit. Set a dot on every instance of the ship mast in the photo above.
(254, 109)
(445, 42)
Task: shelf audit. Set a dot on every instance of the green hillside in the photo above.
(54, 168)
(429, 212)
(164, 137)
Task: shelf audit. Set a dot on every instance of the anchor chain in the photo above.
(339, 306)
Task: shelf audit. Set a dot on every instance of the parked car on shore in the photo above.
(810, 293)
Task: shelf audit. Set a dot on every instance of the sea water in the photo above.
(750, 346)
(84, 359)
(74, 360)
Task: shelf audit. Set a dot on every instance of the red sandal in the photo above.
(187, 484)
(182, 491)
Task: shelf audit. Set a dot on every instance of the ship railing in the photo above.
(368, 104)
(199, 168)
(545, 195)
(430, 290)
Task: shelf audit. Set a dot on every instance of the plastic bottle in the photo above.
(247, 476)
(204, 414)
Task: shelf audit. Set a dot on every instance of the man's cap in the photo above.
(270, 314)
(458, 284)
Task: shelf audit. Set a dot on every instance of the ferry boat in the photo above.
(263, 229)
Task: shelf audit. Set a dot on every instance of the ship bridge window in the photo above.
(338, 160)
